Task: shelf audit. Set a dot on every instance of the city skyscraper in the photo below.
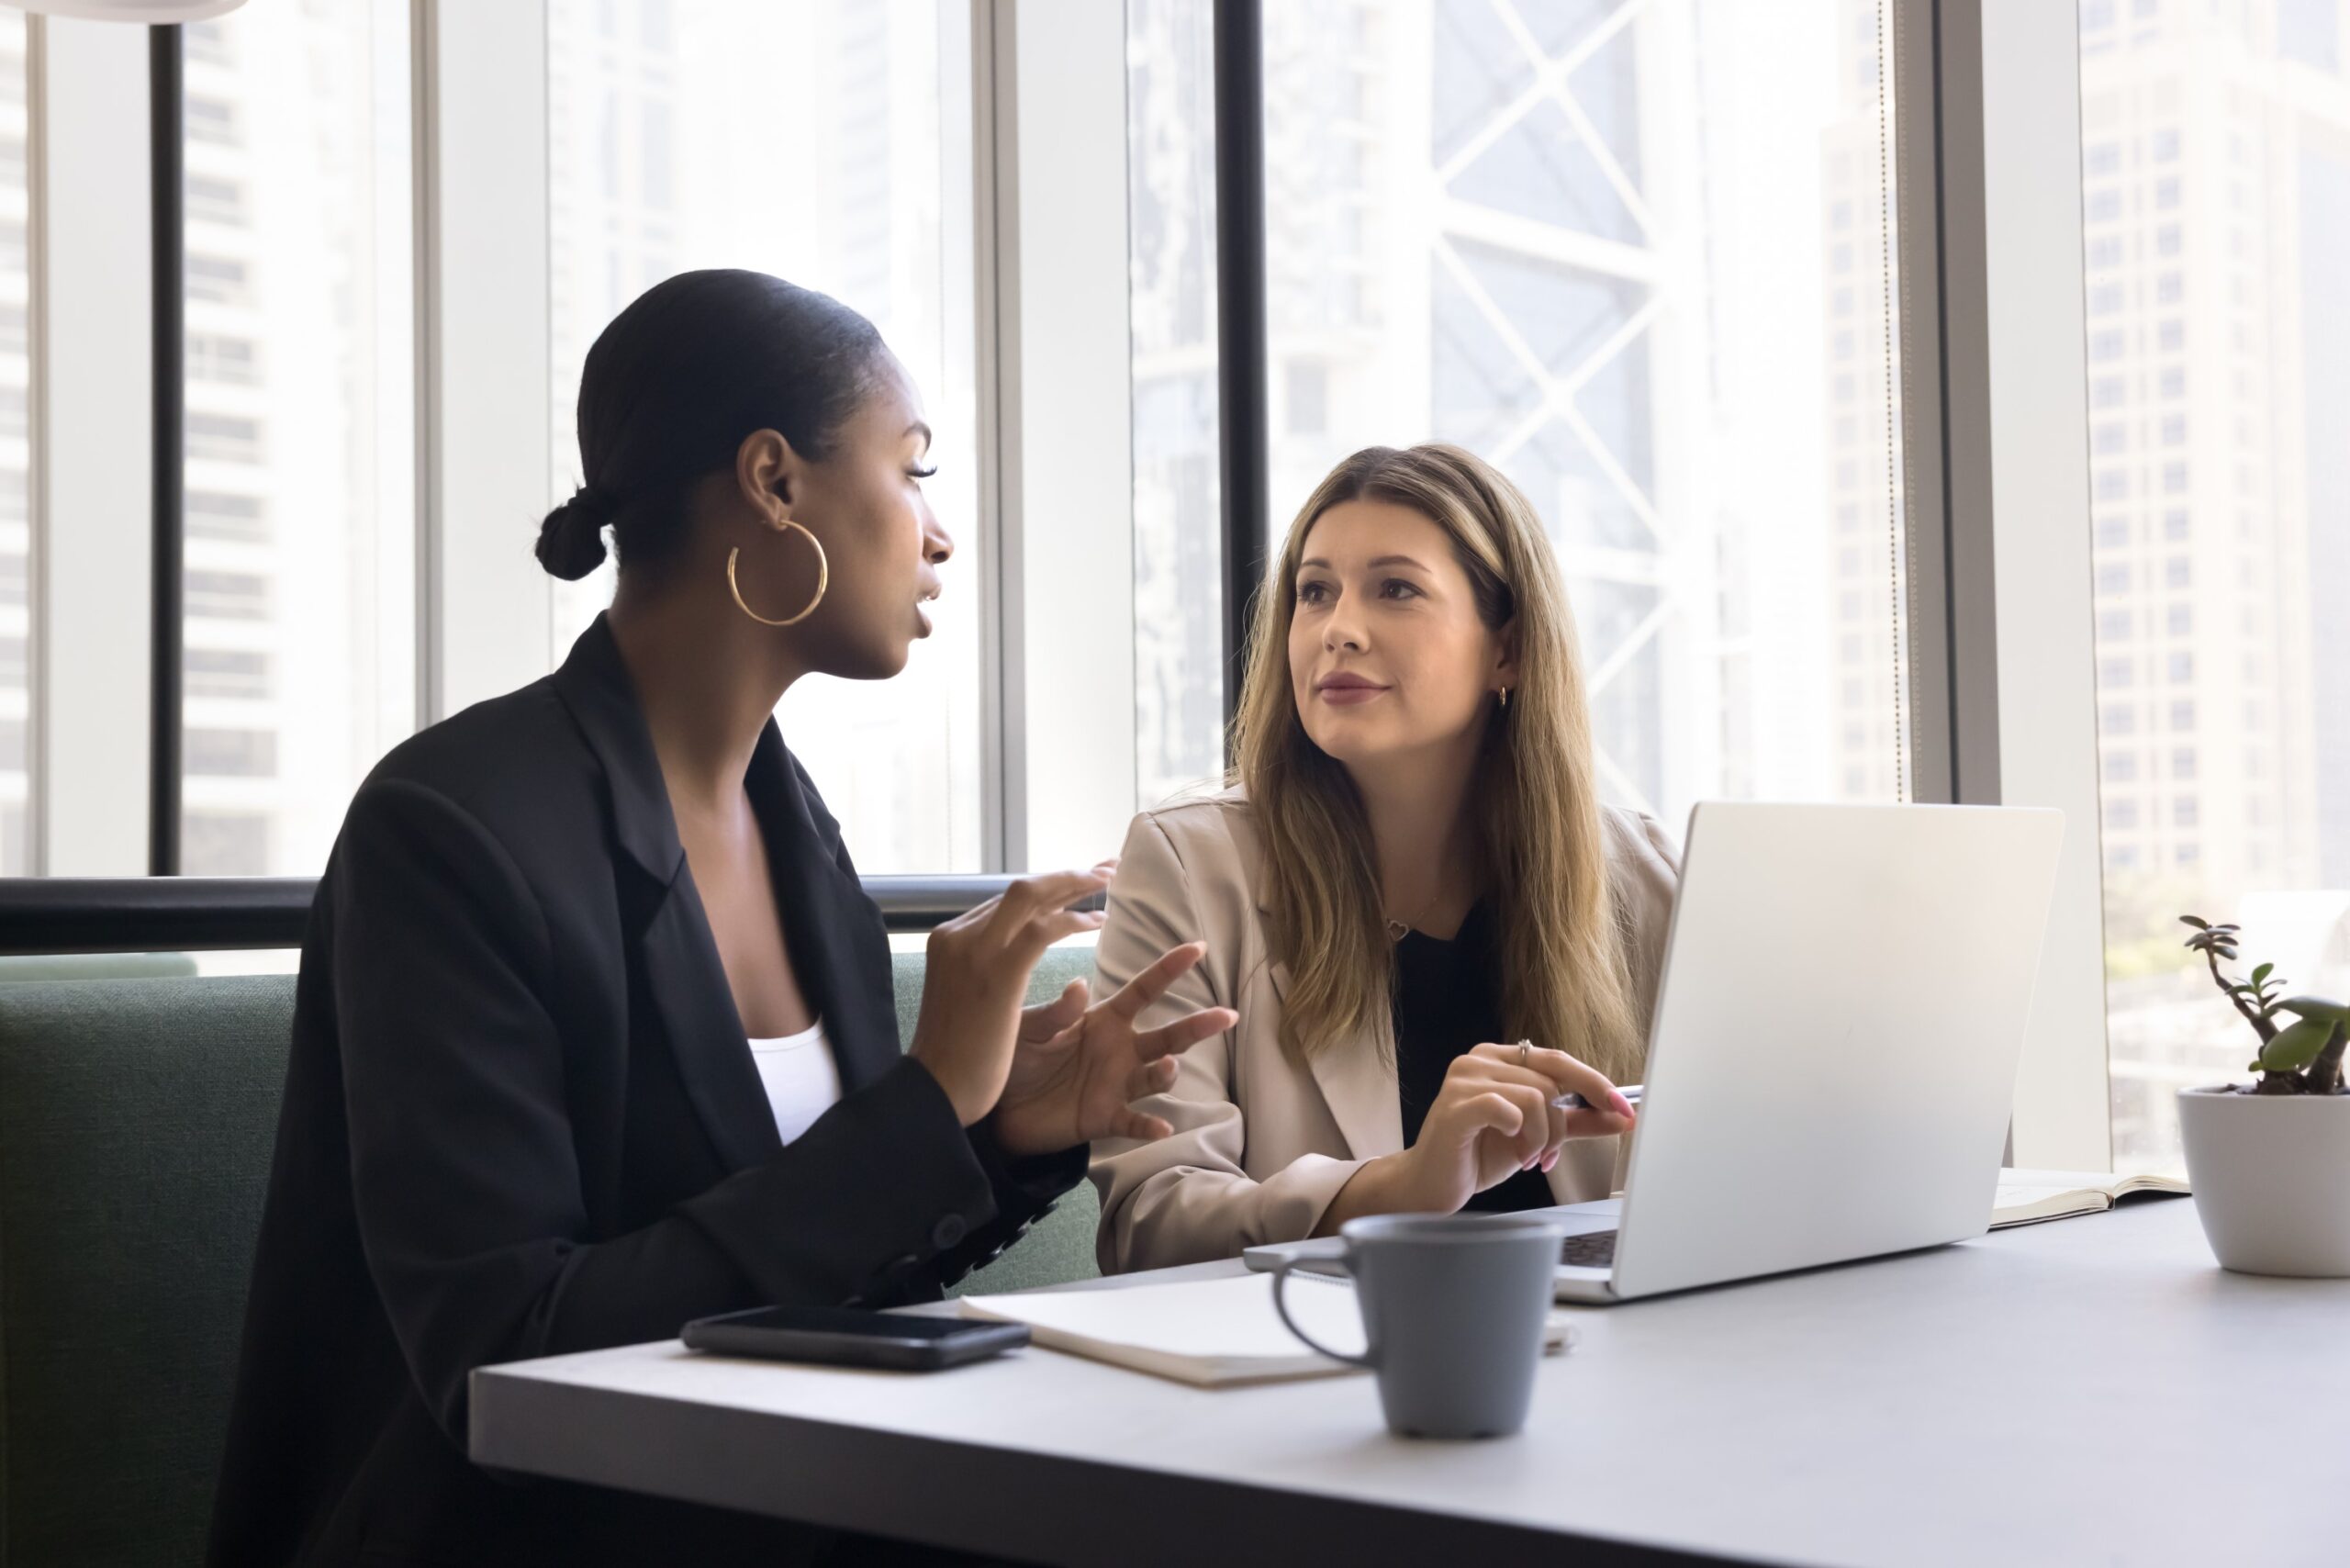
(1858, 279)
(299, 642)
(2216, 194)
(1177, 544)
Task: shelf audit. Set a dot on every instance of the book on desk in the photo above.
(1210, 1333)
(2027, 1197)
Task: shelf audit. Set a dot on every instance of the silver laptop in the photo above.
(1835, 1044)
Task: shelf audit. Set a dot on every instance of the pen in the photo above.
(1630, 1091)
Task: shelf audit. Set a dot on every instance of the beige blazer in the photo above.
(1261, 1143)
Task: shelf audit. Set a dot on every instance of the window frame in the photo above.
(1998, 368)
(1995, 488)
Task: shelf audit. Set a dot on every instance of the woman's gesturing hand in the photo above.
(1494, 1118)
(1078, 1068)
(975, 979)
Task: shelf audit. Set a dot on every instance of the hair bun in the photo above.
(571, 540)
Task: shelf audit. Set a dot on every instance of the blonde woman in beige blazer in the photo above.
(1429, 927)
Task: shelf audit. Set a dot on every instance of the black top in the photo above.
(520, 1118)
(1447, 1000)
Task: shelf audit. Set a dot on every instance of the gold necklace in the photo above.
(1399, 929)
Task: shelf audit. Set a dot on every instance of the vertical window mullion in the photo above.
(93, 446)
(486, 610)
(1242, 400)
(1065, 418)
(2016, 445)
(165, 187)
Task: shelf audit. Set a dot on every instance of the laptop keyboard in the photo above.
(1594, 1249)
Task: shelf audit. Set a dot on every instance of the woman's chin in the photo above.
(1348, 742)
(879, 660)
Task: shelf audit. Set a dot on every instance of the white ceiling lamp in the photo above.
(147, 12)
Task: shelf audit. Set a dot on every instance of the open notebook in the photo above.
(1211, 1333)
(2026, 1196)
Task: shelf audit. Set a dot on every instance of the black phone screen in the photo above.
(848, 1337)
(850, 1320)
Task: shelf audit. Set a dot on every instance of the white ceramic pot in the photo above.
(2271, 1177)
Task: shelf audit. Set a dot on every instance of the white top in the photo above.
(802, 1080)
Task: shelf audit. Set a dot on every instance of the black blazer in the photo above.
(520, 1118)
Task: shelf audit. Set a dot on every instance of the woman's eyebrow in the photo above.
(1368, 566)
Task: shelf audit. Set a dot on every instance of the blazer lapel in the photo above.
(688, 980)
(1357, 1082)
(840, 948)
(685, 979)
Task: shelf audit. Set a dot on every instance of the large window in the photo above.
(299, 640)
(2216, 193)
(1636, 255)
(1641, 253)
(674, 144)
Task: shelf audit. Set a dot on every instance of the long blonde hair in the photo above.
(1565, 979)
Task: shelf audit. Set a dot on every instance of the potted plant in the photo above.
(2269, 1161)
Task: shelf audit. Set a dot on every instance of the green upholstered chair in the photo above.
(94, 965)
(136, 1122)
(1059, 1246)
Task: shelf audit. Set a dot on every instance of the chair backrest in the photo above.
(95, 965)
(135, 1122)
(1059, 1247)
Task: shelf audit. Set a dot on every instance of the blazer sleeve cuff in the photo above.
(898, 1185)
(1025, 1190)
(1031, 1181)
(1201, 1215)
(1293, 1201)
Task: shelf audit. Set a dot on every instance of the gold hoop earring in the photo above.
(1505, 696)
(824, 580)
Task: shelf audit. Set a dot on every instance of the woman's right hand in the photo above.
(1492, 1118)
(974, 980)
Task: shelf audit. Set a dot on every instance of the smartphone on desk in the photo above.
(844, 1336)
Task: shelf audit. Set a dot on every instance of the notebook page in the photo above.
(1220, 1321)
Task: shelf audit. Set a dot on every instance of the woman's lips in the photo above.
(1347, 694)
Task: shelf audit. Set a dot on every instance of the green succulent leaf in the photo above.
(2315, 1009)
(2199, 925)
(2262, 973)
(2296, 1046)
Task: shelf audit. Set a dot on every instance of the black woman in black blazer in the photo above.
(520, 1118)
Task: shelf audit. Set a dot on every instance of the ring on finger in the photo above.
(1525, 1052)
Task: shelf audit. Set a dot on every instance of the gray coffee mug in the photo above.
(1453, 1307)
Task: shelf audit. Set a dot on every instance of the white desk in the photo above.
(2094, 1391)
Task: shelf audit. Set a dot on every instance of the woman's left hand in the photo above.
(1077, 1070)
